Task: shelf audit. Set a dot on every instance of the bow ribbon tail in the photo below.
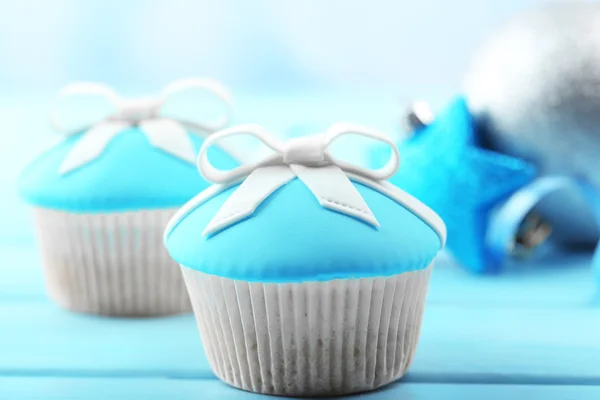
(171, 137)
(259, 185)
(91, 144)
(332, 188)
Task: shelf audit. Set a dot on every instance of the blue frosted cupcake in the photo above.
(103, 196)
(307, 274)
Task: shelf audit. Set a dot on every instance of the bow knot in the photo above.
(166, 131)
(306, 158)
(308, 150)
(136, 110)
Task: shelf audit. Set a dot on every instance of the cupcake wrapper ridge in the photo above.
(309, 339)
(110, 264)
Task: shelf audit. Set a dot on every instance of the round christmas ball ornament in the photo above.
(103, 195)
(534, 90)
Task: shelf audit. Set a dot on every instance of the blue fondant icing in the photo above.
(292, 238)
(131, 174)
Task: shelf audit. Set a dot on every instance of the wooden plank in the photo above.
(509, 345)
(476, 345)
(553, 279)
(21, 277)
(41, 338)
(162, 389)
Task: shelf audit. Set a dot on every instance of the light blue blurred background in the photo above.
(417, 48)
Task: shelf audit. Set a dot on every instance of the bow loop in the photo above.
(215, 175)
(80, 105)
(306, 158)
(344, 129)
(183, 100)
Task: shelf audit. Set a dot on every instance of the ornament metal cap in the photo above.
(532, 232)
(417, 116)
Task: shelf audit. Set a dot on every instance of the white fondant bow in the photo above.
(308, 159)
(165, 128)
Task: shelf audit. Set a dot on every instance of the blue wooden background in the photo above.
(533, 332)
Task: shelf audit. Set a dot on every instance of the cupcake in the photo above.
(103, 195)
(307, 273)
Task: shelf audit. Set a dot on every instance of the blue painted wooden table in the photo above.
(533, 332)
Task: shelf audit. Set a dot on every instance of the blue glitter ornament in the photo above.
(445, 166)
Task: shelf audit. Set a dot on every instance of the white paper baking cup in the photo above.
(110, 264)
(309, 339)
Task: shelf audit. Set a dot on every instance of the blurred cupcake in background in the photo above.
(103, 195)
(307, 273)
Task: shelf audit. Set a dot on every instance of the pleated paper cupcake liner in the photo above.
(309, 339)
(111, 264)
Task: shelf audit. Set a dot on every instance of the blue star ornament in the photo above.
(444, 166)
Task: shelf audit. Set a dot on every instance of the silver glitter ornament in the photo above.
(534, 88)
